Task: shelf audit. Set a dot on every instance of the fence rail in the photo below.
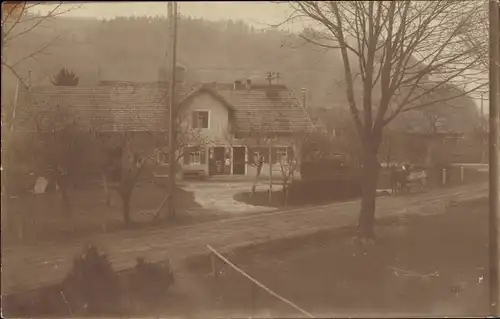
(253, 280)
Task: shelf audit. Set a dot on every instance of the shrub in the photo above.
(91, 286)
(149, 281)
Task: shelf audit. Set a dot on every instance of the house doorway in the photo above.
(219, 160)
(239, 160)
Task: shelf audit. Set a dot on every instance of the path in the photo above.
(31, 267)
(218, 197)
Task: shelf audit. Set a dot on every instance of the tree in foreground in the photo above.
(123, 156)
(60, 147)
(399, 52)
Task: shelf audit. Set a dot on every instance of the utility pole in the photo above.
(172, 11)
(484, 128)
(482, 105)
(493, 157)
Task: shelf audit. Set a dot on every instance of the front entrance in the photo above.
(239, 160)
(220, 161)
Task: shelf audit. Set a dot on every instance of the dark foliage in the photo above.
(92, 286)
(150, 282)
(65, 78)
(306, 192)
(324, 190)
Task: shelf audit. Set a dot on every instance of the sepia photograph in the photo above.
(250, 159)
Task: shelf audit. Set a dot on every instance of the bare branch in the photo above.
(36, 52)
(399, 45)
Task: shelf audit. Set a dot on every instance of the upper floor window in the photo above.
(200, 119)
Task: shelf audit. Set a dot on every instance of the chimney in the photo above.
(237, 85)
(248, 83)
(304, 98)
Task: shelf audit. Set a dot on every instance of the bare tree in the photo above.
(478, 37)
(60, 147)
(18, 21)
(399, 52)
(132, 164)
(122, 157)
(114, 157)
(290, 161)
(187, 138)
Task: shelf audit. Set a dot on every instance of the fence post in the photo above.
(443, 181)
(461, 173)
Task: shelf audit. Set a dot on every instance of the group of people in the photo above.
(404, 177)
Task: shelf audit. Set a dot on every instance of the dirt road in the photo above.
(25, 268)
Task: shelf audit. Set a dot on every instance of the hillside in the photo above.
(135, 48)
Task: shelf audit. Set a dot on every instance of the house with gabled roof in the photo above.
(237, 121)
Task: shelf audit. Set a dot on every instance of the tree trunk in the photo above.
(366, 222)
(171, 204)
(126, 207)
(256, 179)
(107, 195)
(428, 156)
(65, 199)
(285, 192)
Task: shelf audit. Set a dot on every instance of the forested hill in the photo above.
(133, 49)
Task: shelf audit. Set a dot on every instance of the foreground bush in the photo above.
(149, 282)
(91, 286)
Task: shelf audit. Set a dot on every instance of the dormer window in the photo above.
(200, 119)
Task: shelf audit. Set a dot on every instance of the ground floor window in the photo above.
(254, 153)
(195, 157)
(278, 154)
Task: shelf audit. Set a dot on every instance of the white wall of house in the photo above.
(218, 116)
(217, 134)
(214, 132)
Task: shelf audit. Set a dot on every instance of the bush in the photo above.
(322, 190)
(149, 282)
(91, 286)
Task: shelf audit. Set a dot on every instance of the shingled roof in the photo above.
(117, 107)
(143, 107)
(274, 108)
